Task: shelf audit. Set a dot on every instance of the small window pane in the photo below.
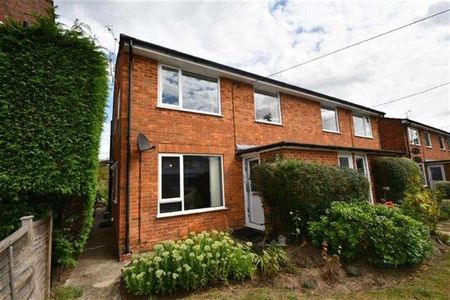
(329, 119)
(344, 162)
(202, 182)
(427, 139)
(441, 143)
(169, 86)
(267, 108)
(361, 166)
(200, 93)
(169, 207)
(170, 177)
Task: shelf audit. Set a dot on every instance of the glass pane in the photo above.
(344, 162)
(169, 86)
(169, 207)
(170, 170)
(251, 165)
(267, 108)
(202, 182)
(414, 136)
(441, 142)
(422, 175)
(329, 120)
(200, 93)
(360, 165)
(358, 122)
(436, 174)
(427, 140)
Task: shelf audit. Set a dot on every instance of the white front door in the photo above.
(253, 203)
(436, 173)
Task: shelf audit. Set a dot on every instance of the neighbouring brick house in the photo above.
(208, 124)
(24, 10)
(426, 145)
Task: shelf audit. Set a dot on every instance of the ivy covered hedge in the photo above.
(394, 172)
(53, 94)
(289, 185)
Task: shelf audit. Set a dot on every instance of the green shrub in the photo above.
(67, 293)
(382, 235)
(420, 203)
(54, 87)
(189, 264)
(443, 188)
(305, 188)
(270, 259)
(444, 210)
(395, 173)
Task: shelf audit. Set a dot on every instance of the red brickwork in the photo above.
(175, 131)
(23, 10)
(323, 157)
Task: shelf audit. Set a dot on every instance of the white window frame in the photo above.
(430, 176)
(441, 146)
(180, 92)
(370, 125)
(428, 138)
(421, 166)
(349, 156)
(410, 129)
(181, 198)
(255, 91)
(337, 119)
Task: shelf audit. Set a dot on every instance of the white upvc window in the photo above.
(179, 89)
(267, 107)
(422, 173)
(363, 126)
(441, 143)
(428, 140)
(345, 160)
(330, 121)
(414, 136)
(361, 165)
(189, 183)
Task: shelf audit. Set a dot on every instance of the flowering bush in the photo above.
(189, 264)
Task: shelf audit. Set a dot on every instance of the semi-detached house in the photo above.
(201, 126)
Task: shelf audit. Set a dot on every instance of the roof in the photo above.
(287, 144)
(418, 124)
(255, 77)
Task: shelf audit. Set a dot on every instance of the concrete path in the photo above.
(98, 271)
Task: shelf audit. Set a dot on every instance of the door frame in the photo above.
(245, 161)
(430, 179)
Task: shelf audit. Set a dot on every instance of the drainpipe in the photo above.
(127, 207)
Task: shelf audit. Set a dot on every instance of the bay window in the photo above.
(189, 183)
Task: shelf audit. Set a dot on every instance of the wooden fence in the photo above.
(25, 261)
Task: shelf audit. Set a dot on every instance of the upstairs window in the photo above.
(441, 143)
(428, 140)
(188, 91)
(329, 119)
(362, 125)
(267, 108)
(414, 136)
(448, 143)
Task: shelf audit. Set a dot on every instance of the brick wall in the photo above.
(323, 157)
(175, 131)
(392, 135)
(22, 10)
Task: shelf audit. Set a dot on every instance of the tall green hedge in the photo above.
(394, 172)
(306, 188)
(53, 91)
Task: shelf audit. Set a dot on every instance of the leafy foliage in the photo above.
(394, 172)
(420, 203)
(303, 187)
(382, 235)
(444, 210)
(443, 188)
(188, 264)
(270, 259)
(53, 93)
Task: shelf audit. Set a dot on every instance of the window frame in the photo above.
(181, 198)
(428, 138)
(370, 125)
(349, 156)
(337, 119)
(179, 107)
(410, 136)
(256, 91)
(441, 145)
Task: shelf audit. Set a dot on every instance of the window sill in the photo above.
(365, 137)
(269, 123)
(190, 212)
(331, 131)
(417, 145)
(429, 147)
(189, 110)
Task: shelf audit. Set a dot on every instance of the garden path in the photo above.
(444, 227)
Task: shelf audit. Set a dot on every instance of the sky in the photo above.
(267, 36)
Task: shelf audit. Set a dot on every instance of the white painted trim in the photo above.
(180, 107)
(337, 119)
(246, 198)
(367, 173)
(181, 198)
(430, 178)
(255, 91)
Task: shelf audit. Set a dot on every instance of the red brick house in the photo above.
(24, 10)
(426, 145)
(206, 125)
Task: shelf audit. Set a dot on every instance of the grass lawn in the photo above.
(433, 283)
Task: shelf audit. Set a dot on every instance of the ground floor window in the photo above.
(346, 161)
(188, 183)
(361, 165)
(422, 173)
